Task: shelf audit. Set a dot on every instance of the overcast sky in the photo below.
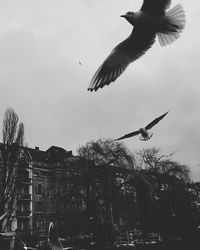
(41, 44)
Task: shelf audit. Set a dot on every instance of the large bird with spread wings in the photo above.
(145, 134)
(151, 20)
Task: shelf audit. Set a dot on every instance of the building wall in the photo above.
(24, 202)
(45, 183)
(43, 200)
(19, 223)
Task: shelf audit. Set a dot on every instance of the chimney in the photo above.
(37, 148)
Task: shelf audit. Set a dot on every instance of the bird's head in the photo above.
(51, 225)
(130, 17)
(141, 130)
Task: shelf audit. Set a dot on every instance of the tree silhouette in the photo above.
(13, 138)
(102, 161)
(171, 198)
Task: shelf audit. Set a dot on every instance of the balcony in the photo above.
(25, 196)
(24, 179)
(21, 232)
(24, 213)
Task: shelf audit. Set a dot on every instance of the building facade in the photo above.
(54, 185)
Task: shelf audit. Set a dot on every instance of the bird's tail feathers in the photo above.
(175, 25)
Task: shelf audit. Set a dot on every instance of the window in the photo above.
(39, 206)
(39, 188)
(52, 206)
(39, 197)
(9, 225)
(41, 224)
(20, 225)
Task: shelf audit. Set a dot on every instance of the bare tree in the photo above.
(162, 167)
(172, 203)
(106, 152)
(108, 160)
(13, 138)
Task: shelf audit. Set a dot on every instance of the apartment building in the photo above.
(45, 192)
(35, 193)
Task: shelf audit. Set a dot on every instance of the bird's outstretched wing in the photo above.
(155, 121)
(124, 53)
(129, 135)
(155, 7)
(53, 237)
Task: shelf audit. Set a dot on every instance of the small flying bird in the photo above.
(151, 20)
(53, 237)
(145, 134)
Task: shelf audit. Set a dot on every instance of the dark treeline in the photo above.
(147, 191)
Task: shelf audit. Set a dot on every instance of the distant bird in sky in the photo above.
(80, 62)
(53, 237)
(145, 134)
(151, 20)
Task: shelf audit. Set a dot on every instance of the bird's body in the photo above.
(145, 133)
(147, 20)
(144, 20)
(53, 237)
(150, 21)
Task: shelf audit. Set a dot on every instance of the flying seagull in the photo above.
(53, 237)
(151, 20)
(145, 134)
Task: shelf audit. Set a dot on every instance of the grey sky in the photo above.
(41, 44)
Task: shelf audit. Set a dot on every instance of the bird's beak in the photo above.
(123, 16)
